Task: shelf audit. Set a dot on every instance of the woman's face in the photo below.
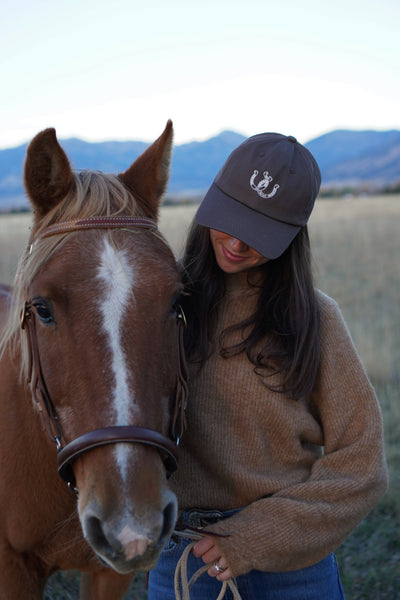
(233, 255)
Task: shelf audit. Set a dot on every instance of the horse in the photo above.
(92, 378)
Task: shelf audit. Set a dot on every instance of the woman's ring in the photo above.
(218, 567)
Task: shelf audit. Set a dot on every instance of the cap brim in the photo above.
(265, 235)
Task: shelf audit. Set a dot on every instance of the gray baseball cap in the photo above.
(264, 193)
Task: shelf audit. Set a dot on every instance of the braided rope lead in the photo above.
(181, 579)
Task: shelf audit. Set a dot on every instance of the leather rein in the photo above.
(67, 453)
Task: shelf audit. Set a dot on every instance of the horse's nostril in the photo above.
(169, 515)
(95, 533)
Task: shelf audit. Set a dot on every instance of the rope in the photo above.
(181, 580)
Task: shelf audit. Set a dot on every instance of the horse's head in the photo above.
(103, 345)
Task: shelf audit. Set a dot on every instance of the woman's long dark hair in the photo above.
(284, 330)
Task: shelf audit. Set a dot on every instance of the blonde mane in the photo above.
(93, 194)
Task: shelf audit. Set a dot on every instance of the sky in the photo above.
(118, 70)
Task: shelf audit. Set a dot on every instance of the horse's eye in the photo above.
(43, 312)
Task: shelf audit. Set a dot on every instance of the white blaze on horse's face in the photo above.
(117, 290)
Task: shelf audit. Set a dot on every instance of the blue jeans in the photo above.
(318, 582)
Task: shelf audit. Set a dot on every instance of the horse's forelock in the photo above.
(93, 194)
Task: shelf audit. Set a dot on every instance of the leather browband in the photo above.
(97, 223)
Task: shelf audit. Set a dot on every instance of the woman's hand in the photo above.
(207, 549)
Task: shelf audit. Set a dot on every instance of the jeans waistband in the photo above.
(196, 517)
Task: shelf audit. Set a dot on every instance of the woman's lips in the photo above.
(232, 257)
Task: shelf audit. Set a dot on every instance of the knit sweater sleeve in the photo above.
(301, 524)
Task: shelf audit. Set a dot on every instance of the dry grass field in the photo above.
(356, 247)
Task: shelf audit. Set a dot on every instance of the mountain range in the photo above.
(359, 160)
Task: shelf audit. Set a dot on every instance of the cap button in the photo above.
(292, 139)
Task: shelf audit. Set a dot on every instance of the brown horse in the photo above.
(88, 383)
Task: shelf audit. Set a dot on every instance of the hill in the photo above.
(361, 159)
(367, 160)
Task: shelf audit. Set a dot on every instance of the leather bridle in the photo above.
(69, 452)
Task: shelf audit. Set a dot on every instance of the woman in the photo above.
(283, 455)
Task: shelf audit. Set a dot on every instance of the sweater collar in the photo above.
(244, 283)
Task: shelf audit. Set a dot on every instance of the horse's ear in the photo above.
(48, 174)
(147, 177)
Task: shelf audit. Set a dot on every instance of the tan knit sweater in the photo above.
(305, 474)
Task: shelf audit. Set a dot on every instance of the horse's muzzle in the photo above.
(129, 544)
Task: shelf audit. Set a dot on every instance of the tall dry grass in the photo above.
(356, 247)
(357, 250)
(14, 233)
